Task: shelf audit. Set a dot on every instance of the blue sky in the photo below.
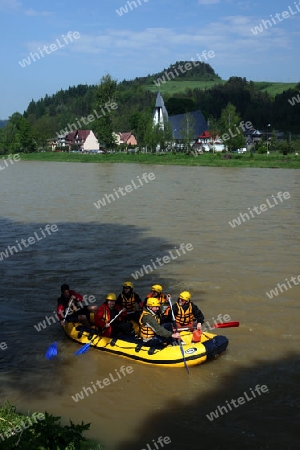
(142, 41)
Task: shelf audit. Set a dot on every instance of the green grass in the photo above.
(274, 160)
(177, 86)
(274, 88)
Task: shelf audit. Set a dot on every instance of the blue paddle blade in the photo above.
(83, 349)
(52, 351)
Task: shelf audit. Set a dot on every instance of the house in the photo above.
(125, 138)
(84, 139)
(206, 142)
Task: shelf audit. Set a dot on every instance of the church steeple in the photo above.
(160, 113)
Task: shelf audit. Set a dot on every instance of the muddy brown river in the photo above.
(246, 268)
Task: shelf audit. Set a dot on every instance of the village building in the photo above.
(128, 139)
(161, 117)
(81, 140)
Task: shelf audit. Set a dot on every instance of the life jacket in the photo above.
(103, 316)
(129, 303)
(146, 332)
(63, 304)
(164, 304)
(162, 297)
(184, 317)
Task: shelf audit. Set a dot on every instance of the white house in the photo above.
(85, 139)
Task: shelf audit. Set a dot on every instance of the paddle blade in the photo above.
(83, 349)
(182, 352)
(51, 351)
(226, 325)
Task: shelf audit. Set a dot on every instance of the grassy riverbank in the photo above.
(274, 160)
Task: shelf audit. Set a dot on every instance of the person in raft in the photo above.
(71, 309)
(186, 312)
(131, 301)
(151, 330)
(157, 292)
(107, 320)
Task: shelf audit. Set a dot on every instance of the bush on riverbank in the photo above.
(40, 432)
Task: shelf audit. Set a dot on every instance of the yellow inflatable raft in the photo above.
(210, 347)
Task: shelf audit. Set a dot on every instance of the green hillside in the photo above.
(180, 85)
(273, 88)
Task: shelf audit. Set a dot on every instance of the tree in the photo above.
(27, 141)
(214, 129)
(105, 102)
(229, 127)
(152, 136)
(11, 134)
(187, 131)
(158, 135)
(44, 129)
(138, 124)
(273, 141)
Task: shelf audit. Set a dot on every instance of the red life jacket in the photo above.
(103, 316)
(63, 304)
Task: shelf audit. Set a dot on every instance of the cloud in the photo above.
(33, 12)
(230, 38)
(231, 33)
(208, 2)
(9, 5)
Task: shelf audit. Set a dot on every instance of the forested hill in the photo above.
(3, 123)
(135, 101)
(195, 71)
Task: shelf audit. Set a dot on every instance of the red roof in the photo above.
(80, 135)
(125, 136)
(205, 135)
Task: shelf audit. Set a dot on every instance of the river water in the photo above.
(228, 271)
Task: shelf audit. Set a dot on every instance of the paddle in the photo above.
(217, 325)
(52, 350)
(180, 344)
(85, 348)
(68, 309)
(226, 325)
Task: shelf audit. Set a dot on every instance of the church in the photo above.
(160, 116)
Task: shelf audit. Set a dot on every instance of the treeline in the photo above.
(45, 117)
(251, 103)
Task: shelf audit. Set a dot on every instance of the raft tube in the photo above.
(210, 347)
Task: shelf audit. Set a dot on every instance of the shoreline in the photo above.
(272, 161)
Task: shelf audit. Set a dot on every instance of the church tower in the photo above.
(160, 114)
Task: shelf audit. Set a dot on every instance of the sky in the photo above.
(48, 46)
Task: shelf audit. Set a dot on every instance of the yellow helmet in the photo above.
(157, 288)
(153, 302)
(111, 296)
(185, 295)
(128, 284)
